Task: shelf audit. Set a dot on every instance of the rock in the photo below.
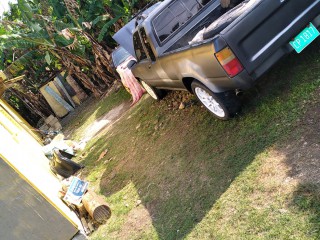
(138, 202)
(182, 106)
(283, 211)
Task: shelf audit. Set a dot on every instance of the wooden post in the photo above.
(2, 86)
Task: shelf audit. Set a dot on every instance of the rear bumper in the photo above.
(282, 51)
(244, 80)
(261, 37)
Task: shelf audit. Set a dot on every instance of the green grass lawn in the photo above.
(181, 174)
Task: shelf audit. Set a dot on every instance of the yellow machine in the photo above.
(29, 203)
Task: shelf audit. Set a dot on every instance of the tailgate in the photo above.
(261, 37)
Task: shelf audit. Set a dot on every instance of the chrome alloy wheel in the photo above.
(149, 90)
(209, 102)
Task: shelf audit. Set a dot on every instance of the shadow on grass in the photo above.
(306, 199)
(303, 159)
(181, 174)
(182, 162)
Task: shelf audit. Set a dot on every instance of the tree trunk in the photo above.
(102, 61)
(33, 103)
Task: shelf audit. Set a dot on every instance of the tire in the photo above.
(63, 166)
(155, 93)
(61, 172)
(223, 105)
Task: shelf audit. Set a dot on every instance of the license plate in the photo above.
(303, 39)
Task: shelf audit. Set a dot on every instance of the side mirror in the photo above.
(131, 64)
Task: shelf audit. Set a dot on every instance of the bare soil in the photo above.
(303, 148)
(107, 120)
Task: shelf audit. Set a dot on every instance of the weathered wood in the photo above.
(79, 91)
(2, 86)
(96, 207)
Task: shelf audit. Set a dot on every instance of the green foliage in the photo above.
(35, 39)
(121, 9)
(106, 28)
(18, 43)
(19, 65)
(58, 8)
(14, 12)
(33, 29)
(105, 15)
(100, 18)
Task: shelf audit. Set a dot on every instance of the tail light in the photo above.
(229, 62)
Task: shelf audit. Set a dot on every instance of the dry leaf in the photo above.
(103, 154)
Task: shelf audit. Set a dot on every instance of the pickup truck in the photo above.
(217, 51)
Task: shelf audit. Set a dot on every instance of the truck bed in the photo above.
(212, 15)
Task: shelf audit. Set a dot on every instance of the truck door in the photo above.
(150, 69)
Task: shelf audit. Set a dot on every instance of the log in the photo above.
(96, 207)
(2, 86)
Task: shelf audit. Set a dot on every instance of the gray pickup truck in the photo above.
(216, 51)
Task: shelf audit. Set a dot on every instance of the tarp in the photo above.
(129, 81)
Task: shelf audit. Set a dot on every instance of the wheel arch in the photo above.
(187, 81)
(227, 101)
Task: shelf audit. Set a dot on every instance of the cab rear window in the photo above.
(173, 17)
(140, 53)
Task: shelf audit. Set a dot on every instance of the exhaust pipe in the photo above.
(239, 92)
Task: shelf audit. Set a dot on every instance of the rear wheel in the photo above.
(223, 105)
(155, 93)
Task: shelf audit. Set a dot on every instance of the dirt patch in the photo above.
(303, 151)
(138, 220)
(297, 159)
(106, 120)
(274, 180)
